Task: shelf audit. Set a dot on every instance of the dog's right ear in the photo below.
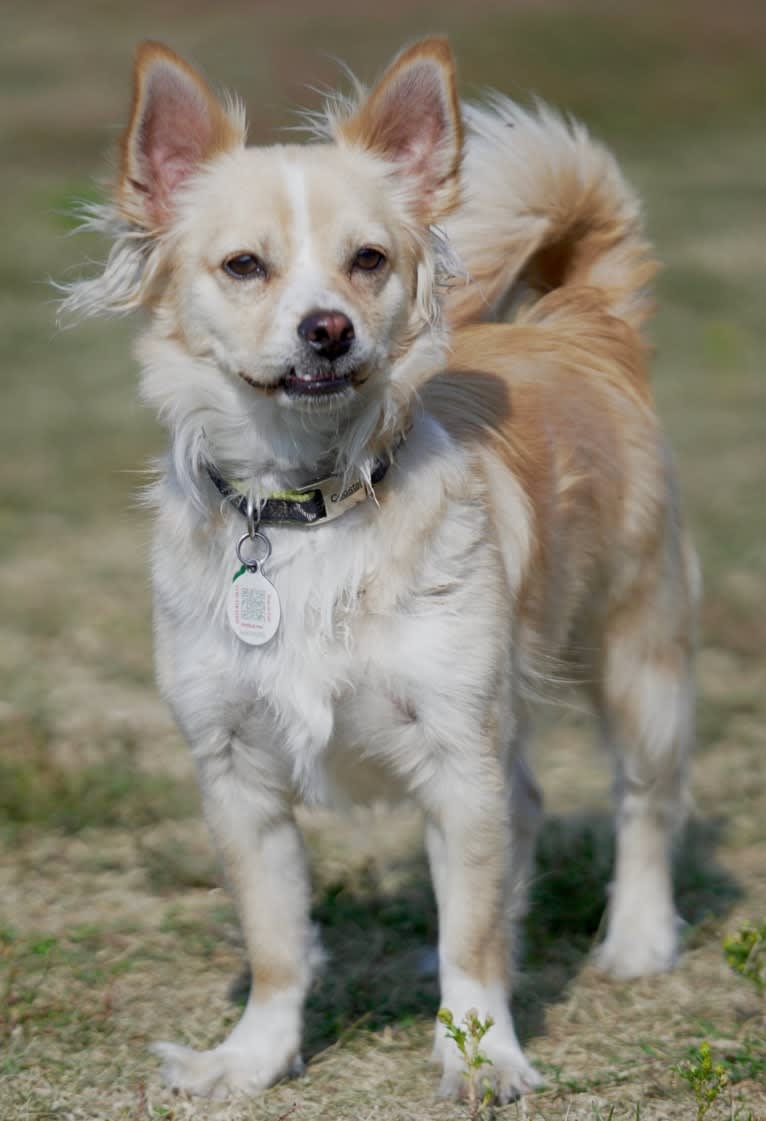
(176, 124)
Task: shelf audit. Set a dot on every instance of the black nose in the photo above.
(328, 333)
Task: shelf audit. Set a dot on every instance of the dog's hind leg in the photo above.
(262, 853)
(526, 806)
(646, 703)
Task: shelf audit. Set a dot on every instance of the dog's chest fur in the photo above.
(393, 622)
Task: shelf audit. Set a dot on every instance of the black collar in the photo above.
(319, 501)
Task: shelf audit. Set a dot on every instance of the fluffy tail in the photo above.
(544, 207)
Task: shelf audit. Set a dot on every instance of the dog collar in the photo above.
(322, 500)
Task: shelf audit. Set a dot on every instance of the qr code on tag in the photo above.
(252, 605)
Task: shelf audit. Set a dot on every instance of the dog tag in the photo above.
(253, 607)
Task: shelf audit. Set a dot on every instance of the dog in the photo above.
(388, 518)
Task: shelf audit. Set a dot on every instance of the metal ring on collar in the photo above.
(253, 565)
(252, 524)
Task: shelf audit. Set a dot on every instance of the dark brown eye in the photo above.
(368, 260)
(243, 266)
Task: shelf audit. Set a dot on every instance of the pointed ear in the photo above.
(176, 124)
(412, 118)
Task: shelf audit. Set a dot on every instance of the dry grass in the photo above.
(113, 929)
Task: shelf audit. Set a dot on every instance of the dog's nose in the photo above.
(328, 333)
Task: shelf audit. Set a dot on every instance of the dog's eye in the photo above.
(243, 266)
(368, 260)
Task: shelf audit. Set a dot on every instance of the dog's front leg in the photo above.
(469, 851)
(262, 854)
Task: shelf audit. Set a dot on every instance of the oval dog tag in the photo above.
(253, 607)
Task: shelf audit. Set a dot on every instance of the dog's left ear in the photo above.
(412, 119)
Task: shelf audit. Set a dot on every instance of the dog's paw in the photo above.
(507, 1074)
(638, 949)
(221, 1072)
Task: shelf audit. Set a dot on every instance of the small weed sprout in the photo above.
(467, 1038)
(705, 1078)
(745, 952)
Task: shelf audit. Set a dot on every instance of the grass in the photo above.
(706, 1080)
(114, 929)
(745, 952)
(37, 789)
(467, 1037)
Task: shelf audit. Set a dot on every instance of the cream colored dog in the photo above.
(383, 524)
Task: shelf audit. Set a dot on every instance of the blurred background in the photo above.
(109, 904)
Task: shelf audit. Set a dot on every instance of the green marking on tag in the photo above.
(237, 575)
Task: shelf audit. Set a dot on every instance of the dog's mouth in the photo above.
(313, 384)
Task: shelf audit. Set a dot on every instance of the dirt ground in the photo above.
(114, 929)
